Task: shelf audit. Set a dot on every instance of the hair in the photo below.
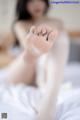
(22, 13)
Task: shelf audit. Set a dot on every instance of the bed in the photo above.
(68, 100)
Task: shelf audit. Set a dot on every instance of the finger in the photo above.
(52, 36)
(32, 30)
(48, 29)
(45, 37)
(44, 31)
(39, 30)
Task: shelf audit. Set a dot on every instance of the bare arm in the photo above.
(20, 30)
(56, 64)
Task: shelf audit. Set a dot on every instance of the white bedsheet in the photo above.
(70, 108)
(20, 102)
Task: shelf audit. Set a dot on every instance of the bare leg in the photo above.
(22, 70)
(56, 63)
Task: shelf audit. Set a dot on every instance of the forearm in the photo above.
(22, 69)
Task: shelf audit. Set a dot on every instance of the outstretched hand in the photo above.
(40, 39)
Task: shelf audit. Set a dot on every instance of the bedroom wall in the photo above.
(6, 14)
(74, 55)
(70, 14)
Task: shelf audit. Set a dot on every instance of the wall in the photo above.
(70, 14)
(6, 14)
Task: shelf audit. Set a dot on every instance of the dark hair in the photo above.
(21, 11)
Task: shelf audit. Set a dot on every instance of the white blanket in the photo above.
(20, 103)
(70, 108)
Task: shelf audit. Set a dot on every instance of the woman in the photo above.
(36, 33)
(34, 13)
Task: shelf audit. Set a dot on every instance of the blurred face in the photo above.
(36, 7)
